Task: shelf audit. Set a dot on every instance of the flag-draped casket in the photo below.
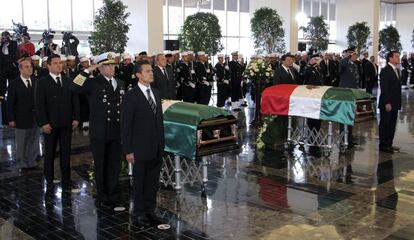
(340, 105)
(193, 130)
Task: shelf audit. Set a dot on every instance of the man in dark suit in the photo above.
(57, 111)
(285, 74)
(371, 74)
(21, 115)
(164, 80)
(389, 101)
(328, 69)
(105, 95)
(143, 141)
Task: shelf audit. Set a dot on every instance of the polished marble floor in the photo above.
(251, 194)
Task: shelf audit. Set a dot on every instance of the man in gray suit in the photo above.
(164, 80)
(349, 78)
(21, 116)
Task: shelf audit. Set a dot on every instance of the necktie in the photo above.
(112, 82)
(398, 72)
(165, 73)
(58, 81)
(29, 86)
(151, 102)
(290, 74)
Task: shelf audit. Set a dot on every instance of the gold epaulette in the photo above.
(79, 80)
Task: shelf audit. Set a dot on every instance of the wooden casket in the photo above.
(193, 130)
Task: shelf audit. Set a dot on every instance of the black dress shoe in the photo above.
(386, 149)
(152, 217)
(142, 221)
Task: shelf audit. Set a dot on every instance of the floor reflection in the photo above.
(362, 194)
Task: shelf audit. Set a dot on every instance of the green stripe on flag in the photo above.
(338, 105)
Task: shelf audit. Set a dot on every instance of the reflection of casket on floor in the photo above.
(192, 131)
(325, 103)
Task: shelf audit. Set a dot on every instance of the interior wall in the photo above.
(405, 24)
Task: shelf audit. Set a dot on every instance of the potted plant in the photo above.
(358, 35)
(389, 40)
(317, 33)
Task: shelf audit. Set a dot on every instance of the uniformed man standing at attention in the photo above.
(204, 73)
(187, 78)
(105, 96)
(222, 71)
(236, 78)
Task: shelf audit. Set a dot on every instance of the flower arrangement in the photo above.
(258, 70)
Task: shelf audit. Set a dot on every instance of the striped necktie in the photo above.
(151, 102)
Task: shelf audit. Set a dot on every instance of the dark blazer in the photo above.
(390, 88)
(104, 106)
(165, 85)
(313, 75)
(370, 72)
(20, 103)
(142, 131)
(55, 105)
(281, 76)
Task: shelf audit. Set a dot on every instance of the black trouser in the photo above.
(223, 92)
(107, 165)
(146, 184)
(188, 94)
(63, 135)
(388, 122)
(203, 94)
(370, 86)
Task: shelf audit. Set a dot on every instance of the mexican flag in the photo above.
(317, 102)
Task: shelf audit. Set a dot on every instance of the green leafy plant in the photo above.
(317, 33)
(358, 35)
(389, 40)
(111, 28)
(267, 30)
(201, 32)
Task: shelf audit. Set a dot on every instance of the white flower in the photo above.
(251, 74)
(267, 74)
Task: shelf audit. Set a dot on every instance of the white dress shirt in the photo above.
(144, 91)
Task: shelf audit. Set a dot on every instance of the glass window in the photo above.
(232, 5)
(221, 15)
(245, 24)
(307, 7)
(232, 44)
(246, 47)
(332, 11)
(175, 18)
(13, 11)
(324, 9)
(97, 4)
(60, 15)
(315, 8)
(244, 6)
(218, 5)
(35, 14)
(206, 5)
(82, 15)
(165, 19)
(233, 24)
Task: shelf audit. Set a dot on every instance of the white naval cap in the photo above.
(71, 58)
(35, 57)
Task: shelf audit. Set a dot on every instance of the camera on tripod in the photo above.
(19, 30)
(47, 34)
(66, 36)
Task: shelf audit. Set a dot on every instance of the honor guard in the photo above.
(222, 71)
(127, 72)
(187, 78)
(71, 72)
(105, 94)
(174, 62)
(204, 73)
(236, 72)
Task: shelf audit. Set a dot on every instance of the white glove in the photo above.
(192, 85)
(206, 83)
(226, 67)
(226, 81)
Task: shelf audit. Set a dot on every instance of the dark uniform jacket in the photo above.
(104, 105)
(281, 76)
(185, 74)
(313, 75)
(126, 72)
(56, 105)
(222, 73)
(204, 72)
(348, 74)
(390, 88)
(20, 103)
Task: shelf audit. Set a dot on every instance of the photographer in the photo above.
(70, 44)
(48, 46)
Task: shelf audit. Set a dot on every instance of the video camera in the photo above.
(47, 34)
(66, 36)
(19, 30)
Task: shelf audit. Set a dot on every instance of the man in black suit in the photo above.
(57, 111)
(389, 101)
(371, 74)
(105, 94)
(285, 74)
(328, 69)
(143, 141)
(164, 80)
(21, 115)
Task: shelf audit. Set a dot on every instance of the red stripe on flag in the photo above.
(275, 99)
